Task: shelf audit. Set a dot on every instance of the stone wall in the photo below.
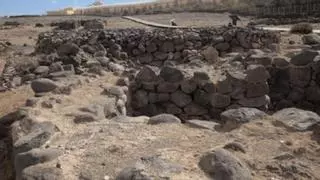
(196, 95)
(262, 80)
(158, 45)
(296, 83)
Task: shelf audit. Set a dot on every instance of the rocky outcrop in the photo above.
(220, 164)
(297, 119)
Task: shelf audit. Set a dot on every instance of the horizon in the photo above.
(40, 7)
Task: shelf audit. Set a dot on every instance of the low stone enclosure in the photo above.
(192, 73)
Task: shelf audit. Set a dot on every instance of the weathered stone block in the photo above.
(224, 85)
(300, 76)
(139, 99)
(148, 74)
(219, 100)
(195, 110)
(257, 89)
(257, 73)
(166, 87)
(188, 86)
(255, 102)
(158, 97)
(181, 99)
(210, 54)
(171, 74)
(201, 97)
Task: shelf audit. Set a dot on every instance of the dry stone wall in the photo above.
(195, 95)
(158, 45)
(265, 81)
(296, 83)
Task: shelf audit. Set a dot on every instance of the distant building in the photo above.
(61, 12)
(97, 3)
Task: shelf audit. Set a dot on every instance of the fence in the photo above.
(294, 10)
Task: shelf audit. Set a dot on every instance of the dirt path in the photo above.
(152, 24)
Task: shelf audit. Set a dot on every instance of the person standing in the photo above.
(234, 19)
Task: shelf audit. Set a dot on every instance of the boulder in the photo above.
(257, 73)
(32, 102)
(42, 172)
(151, 47)
(149, 86)
(280, 62)
(257, 89)
(166, 87)
(94, 24)
(163, 118)
(147, 74)
(255, 102)
(145, 59)
(33, 157)
(219, 100)
(140, 99)
(304, 58)
(161, 56)
(172, 108)
(221, 164)
(262, 59)
(158, 97)
(296, 119)
(112, 90)
(222, 46)
(201, 97)
(195, 110)
(210, 54)
(67, 25)
(37, 137)
(300, 76)
(85, 118)
(110, 108)
(43, 85)
(298, 94)
(104, 61)
(188, 86)
(68, 49)
(94, 109)
(171, 74)
(116, 68)
(42, 70)
(167, 47)
(233, 118)
(311, 39)
(224, 85)
(181, 99)
(313, 94)
(149, 168)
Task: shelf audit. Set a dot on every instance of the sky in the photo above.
(19, 7)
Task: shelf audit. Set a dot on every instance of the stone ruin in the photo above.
(175, 71)
(159, 53)
(191, 73)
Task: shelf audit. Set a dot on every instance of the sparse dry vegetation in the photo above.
(301, 28)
